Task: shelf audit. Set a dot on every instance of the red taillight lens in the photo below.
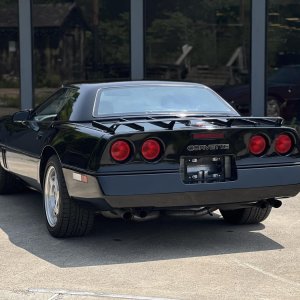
(257, 145)
(120, 150)
(151, 149)
(283, 144)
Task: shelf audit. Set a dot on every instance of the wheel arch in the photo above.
(48, 151)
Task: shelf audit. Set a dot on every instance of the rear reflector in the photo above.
(283, 144)
(151, 149)
(80, 177)
(120, 150)
(257, 144)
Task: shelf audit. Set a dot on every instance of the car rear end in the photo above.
(198, 162)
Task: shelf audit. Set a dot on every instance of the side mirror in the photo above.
(21, 116)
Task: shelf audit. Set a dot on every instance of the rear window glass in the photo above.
(159, 99)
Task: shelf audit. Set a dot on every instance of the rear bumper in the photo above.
(168, 190)
(207, 198)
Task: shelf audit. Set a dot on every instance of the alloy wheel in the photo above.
(51, 196)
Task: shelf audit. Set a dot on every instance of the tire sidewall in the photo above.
(53, 162)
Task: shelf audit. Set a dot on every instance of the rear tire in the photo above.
(252, 215)
(8, 182)
(64, 216)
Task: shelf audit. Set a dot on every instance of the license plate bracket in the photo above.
(207, 169)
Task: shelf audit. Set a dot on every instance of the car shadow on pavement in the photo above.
(118, 242)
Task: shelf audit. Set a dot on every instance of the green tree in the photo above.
(167, 35)
(114, 39)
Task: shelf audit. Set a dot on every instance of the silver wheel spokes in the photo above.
(51, 196)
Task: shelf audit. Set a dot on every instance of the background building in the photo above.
(248, 51)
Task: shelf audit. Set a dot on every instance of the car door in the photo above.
(26, 139)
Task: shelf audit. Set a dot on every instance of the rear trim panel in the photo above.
(82, 190)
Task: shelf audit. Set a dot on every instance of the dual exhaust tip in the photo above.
(140, 216)
(274, 203)
(145, 215)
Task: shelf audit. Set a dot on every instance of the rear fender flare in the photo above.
(47, 152)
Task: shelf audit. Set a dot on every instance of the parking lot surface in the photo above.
(169, 258)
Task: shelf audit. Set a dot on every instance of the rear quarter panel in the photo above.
(75, 145)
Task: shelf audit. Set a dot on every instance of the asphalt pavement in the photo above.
(169, 258)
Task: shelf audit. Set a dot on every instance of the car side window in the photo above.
(70, 100)
(50, 110)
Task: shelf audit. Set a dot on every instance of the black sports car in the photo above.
(136, 150)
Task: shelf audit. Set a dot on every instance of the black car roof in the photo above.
(99, 85)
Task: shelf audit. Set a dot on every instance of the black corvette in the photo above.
(136, 150)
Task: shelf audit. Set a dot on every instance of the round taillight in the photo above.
(257, 145)
(120, 150)
(283, 144)
(151, 149)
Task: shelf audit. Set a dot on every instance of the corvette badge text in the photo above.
(208, 147)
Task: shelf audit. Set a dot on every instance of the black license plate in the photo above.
(207, 169)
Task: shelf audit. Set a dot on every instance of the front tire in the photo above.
(64, 216)
(251, 215)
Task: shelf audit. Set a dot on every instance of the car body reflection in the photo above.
(283, 94)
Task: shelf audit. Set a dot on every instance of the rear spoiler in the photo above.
(169, 123)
